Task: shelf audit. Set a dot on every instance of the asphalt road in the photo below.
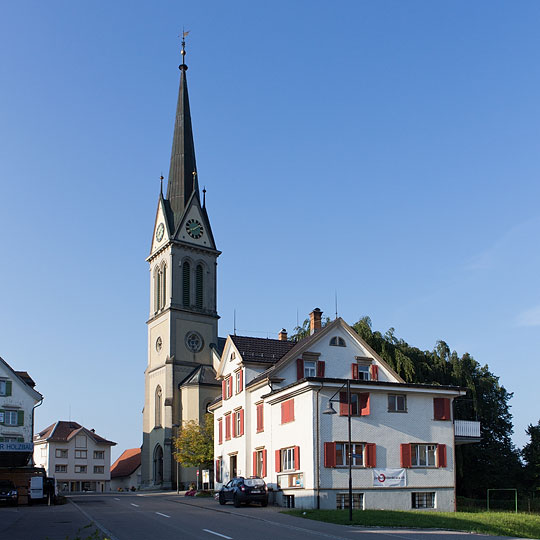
(164, 516)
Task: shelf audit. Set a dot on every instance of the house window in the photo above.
(99, 454)
(44, 451)
(80, 441)
(310, 368)
(260, 417)
(287, 459)
(342, 501)
(342, 454)
(219, 468)
(239, 381)
(359, 404)
(99, 469)
(337, 342)
(397, 403)
(10, 418)
(423, 455)
(61, 453)
(238, 423)
(363, 372)
(80, 454)
(60, 468)
(259, 463)
(287, 411)
(423, 499)
(227, 387)
(80, 469)
(3, 388)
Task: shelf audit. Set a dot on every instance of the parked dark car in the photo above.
(244, 490)
(8, 492)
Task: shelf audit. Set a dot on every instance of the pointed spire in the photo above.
(183, 170)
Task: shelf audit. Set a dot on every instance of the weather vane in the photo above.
(183, 51)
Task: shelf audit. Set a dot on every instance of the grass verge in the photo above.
(494, 523)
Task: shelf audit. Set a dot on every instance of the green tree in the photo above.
(301, 332)
(194, 445)
(531, 457)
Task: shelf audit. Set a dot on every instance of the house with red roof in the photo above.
(126, 471)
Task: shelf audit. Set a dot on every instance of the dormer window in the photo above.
(363, 372)
(337, 341)
(310, 368)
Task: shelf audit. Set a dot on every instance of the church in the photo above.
(182, 325)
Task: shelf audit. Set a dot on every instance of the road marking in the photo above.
(133, 504)
(217, 534)
(105, 531)
(116, 499)
(164, 515)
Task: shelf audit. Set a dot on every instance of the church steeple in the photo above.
(182, 180)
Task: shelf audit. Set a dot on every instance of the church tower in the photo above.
(183, 320)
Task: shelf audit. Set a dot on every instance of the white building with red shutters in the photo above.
(269, 422)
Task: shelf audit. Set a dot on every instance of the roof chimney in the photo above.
(282, 336)
(315, 321)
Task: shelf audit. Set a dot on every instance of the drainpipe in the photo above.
(33, 413)
(318, 473)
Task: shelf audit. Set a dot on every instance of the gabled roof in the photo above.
(24, 378)
(264, 350)
(201, 375)
(64, 431)
(127, 463)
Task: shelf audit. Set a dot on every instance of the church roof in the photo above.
(182, 182)
(201, 375)
(262, 350)
(127, 463)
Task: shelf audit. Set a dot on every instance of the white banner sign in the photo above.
(389, 478)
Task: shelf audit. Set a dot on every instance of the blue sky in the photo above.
(385, 150)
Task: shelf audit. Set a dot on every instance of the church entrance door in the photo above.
(158, 465)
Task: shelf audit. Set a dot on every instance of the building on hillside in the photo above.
(77, 457)
(126, 471)
(270, 422)
(182, 324)
(18, 400)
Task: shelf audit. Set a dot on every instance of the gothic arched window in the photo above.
(157, 289)
(186, 269)
(157, 406)
(199, 286)
(163, 300)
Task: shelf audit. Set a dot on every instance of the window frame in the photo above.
(344, 454)
(396, 402)
(8, 415)
(60, 468)
(427, 500)
(3, 383)
(96, 452)
(337, 341)
(311, 370)
(417, 449)
(287, 458)
(83, 454)
(82, 469)
(61, 453)
(102, 471)
(358, 501)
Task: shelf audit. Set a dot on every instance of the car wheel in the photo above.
(221, 499)
(264, 503)
(236, 502)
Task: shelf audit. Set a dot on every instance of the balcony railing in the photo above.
(467, 429)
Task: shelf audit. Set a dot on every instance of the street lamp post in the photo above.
(330, 410)
(177, 426)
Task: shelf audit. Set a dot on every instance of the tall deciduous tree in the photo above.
(194, 445)
(531, 457)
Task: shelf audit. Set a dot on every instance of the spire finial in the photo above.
(161, 184)
(204, 197)
(182, 66)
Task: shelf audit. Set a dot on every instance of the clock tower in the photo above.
(182, 325)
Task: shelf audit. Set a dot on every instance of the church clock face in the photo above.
(160, 231)
(194, 228)
(194, 341)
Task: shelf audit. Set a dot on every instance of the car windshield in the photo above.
(252, 482)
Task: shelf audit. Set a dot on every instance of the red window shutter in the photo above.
(441, 408)
(343, 404)
(371, 455)
(264, 464)
(329, 454)
(230, 386)
(254, 463)
(241, 422)
(223, 389)
(234, 424)
(363, 404)
(260, 420)
(296, 458)
(406, 455)
(241, 380)
(287, 411)
(291, 410)
(374, 370)
(320, 368)
(284, 412)
(220, 431)
(441, 455)
(218, 472)
(299, 369)
(278, 461)
(354, 370)
(228, 427)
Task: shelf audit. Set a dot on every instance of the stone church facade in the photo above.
(183, 321)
